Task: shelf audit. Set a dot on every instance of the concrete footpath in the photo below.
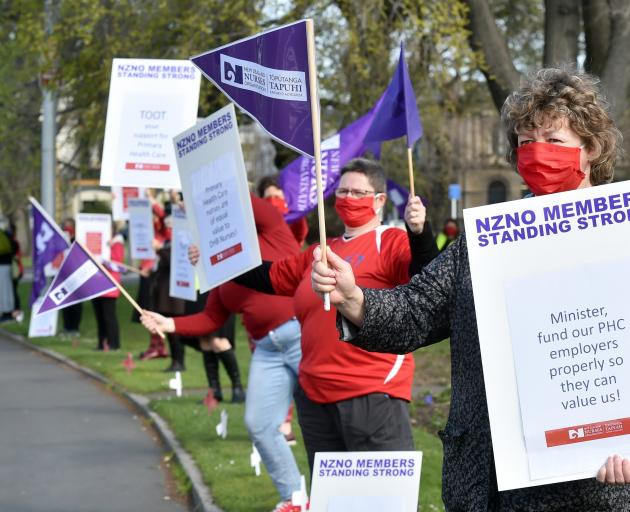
(67, 444)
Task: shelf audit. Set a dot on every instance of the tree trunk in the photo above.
(616, 72)
(597, 31)
(500, 73)
(562, 27)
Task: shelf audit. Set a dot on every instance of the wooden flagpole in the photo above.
(127, 267)
(410, 163)
(117, 284)
(312, 75)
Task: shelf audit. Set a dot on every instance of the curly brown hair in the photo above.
(549, 94)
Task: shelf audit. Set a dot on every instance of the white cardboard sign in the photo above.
(141, 229)
(550, 278)
(120, 199)
(218, 206)
(94, 231)
(42, 325)
(366, 481)
(150, 101)
(182, 276)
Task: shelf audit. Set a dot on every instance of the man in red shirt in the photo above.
(350, 399)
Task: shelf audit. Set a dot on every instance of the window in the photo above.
(497, 192)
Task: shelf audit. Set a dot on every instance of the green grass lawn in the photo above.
(224, 463)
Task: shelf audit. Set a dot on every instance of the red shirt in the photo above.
(117, 256)
(261, 312)
(331, 370)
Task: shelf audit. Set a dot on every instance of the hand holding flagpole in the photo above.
(312, 75)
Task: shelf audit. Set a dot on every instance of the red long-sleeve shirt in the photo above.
(261, 312)
(331, 370)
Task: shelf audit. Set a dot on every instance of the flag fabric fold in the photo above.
(48, 242)
(398, 112)
(267, 76)
(79, 279)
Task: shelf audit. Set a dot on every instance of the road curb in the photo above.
(202, 500)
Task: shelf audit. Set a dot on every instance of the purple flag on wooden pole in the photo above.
(397, 116)
(79, 279)
(48, 242)
(267, 76)
(398, 113)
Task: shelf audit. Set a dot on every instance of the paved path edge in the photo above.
(202, 500)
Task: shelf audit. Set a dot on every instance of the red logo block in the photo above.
(227, 253)
(588, 432)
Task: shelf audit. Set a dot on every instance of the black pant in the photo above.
(72, 317)
(107, 322)
(374, 422)
(16, 295)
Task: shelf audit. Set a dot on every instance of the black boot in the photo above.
(211, 365)
(228, 358)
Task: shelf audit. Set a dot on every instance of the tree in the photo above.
(604, 25)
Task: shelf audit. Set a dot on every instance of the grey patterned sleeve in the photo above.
(402, 319)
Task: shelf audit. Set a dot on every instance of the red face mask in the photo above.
(279, 203)
(549, 168)
(451, 231)
(355, 212)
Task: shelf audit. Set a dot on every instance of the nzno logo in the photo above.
(575, 434)
(232, 73)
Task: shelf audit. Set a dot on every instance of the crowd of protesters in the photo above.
(393, 290)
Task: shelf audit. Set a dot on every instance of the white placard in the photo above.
(549, 277)
(141, 229)
(182, 276)
(150, 101)
(120, 198)
(42, 325)
(218, 206)
(366, 481)
(94, 231)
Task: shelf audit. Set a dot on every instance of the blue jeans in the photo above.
(271, 383)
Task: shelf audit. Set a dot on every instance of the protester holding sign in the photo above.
(105, 305)
(348, 399)
(560, 138)
(270, 322)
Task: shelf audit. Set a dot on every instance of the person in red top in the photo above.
(157, 347)
(271, 323)
(105, 305)
(269, 189)
(349, 399)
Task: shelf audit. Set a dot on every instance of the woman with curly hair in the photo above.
(560, 138)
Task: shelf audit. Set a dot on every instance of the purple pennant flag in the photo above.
(298, 180)
(267, 76)
(79, 279)
(48, 242)
(398, 114)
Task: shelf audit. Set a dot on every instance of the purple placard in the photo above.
(267, 76)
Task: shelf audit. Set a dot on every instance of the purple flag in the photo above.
(267, 76)
(48, 242)
(79, 279)
(398, 114)
(298, 180)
